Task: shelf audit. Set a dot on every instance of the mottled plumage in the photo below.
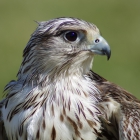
(56, 95)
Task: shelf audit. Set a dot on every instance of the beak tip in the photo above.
(107, 52)
(108, 55)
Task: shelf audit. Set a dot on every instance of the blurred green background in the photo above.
(118, 20)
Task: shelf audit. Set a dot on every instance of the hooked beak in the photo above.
(101, 47)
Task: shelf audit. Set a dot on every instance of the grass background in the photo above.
(118, 20)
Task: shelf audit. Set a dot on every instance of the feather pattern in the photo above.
(57, 97)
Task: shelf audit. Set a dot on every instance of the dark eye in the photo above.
(97, 40)
(71, 36)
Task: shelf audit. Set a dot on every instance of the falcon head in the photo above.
(63, 45)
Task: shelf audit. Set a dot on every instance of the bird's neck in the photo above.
(70, 75)
(52, 74)
(53, 69)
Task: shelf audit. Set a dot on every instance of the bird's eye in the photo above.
(71, 36)
(97, 41)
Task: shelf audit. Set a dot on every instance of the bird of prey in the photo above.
(58, 97)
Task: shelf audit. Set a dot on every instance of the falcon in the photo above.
(58, 97)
